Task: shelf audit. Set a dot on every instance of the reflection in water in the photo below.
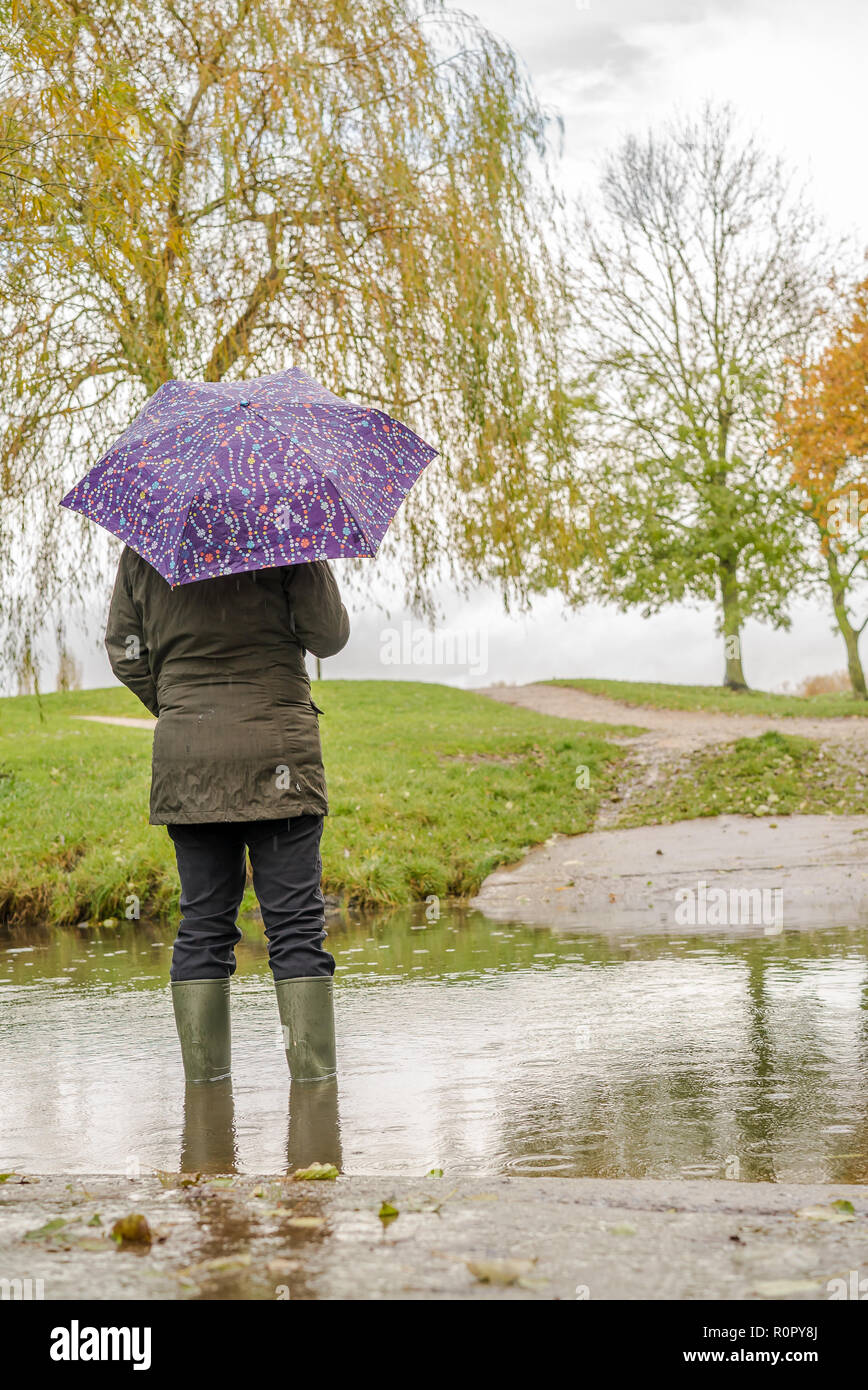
(463, 1044)
(314, 1125)
(208, 1139)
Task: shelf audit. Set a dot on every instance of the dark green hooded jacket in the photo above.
(221, 663)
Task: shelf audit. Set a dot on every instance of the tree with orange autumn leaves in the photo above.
(822, 443)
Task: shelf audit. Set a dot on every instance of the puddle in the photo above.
(465, 1045)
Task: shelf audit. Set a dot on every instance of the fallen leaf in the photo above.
(132, 1230)
(221, 1264)
(316, 1172)
(779, 1288)
(49, 1229)
(499, 1271)
(271, 1192)
(178, 1179)
(91, 1243)
(388, 1213)
(831, 1213)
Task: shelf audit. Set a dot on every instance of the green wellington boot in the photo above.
(202, 1019)
(308, 1021)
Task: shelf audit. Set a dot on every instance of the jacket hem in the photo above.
(201, 818)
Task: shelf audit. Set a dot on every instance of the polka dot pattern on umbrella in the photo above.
(221, 478)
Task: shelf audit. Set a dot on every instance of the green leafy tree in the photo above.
(219, 188)
(698, 275)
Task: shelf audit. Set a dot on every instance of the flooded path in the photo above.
(473, 1046)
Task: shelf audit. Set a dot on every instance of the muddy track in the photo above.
(671, 735)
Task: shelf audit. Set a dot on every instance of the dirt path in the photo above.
(120, 720)
(675, 728)
(671, 734)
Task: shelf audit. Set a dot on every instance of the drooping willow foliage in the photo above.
(221, 188)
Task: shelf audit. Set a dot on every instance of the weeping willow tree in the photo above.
(221, 188)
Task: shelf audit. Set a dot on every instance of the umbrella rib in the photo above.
(313, 463)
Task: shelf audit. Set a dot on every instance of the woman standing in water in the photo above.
(237, 768)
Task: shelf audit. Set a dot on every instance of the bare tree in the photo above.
(698, 275)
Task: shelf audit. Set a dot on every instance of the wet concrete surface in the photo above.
(631, 879)
(493, 1238)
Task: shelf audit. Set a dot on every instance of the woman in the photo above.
(237, 766)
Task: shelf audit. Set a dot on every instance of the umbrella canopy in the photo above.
(225, 477)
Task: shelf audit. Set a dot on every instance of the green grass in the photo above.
(773, 775)
(717, 700)
(430, 789)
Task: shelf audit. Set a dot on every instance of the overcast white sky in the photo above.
(796, 71)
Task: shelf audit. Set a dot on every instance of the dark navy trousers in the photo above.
(287, 868)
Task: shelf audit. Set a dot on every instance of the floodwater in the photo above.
(464, 1045)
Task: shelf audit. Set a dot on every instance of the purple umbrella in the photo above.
(223, 477)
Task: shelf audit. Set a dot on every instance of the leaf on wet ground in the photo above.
(49, 1229)
(316, 1172)
(93, 1244)
(281, 1268)
(500, 1271)
(388, 1213)
(133, 1229)
(178, 1179)
(780, 1288)
(836, 1212)
(221, 1264)
(270, 1192)
(305, 1223)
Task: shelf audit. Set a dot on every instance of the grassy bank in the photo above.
(774, 775)
(430, 789)
(719, 701)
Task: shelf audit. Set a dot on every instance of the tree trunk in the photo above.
(734, 673)
(848, 632)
